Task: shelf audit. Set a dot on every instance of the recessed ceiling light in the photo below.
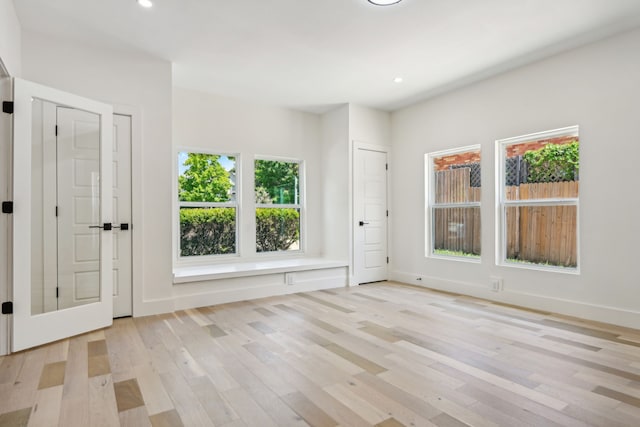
(397, 80)
(145, 3)
(384, 2)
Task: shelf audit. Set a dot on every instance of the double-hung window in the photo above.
(207, 204)
(453, 203)
(538, 180)
(279, 205)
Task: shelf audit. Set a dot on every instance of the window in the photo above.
(453, 203)
(278, 205)
(207, 204)
(538, 195)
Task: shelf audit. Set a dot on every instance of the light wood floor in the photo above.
(375, 355)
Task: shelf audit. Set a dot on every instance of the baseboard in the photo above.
(584, 310)
(151, 307)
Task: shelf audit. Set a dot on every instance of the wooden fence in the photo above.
(456, 229)
(542, 234)
(539, 234)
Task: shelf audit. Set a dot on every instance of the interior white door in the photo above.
(370, 210)
(32, 325)
(122, 274)
(78, 257)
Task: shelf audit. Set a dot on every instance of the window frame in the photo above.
(213, 258)
(502, 204)
(301, 206)
(431, 205)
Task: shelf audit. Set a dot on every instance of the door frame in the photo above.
(136, 226)
(360, 145)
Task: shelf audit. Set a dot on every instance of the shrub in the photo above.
(212, 231)
(276, 228)
(207, 231)
(554, 162)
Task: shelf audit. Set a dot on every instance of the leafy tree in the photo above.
(204, 180)
(554, 162)
(278, 179)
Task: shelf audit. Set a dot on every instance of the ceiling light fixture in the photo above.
(384, 2)
(397, 80)
(145, 3)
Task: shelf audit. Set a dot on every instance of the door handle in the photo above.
(106, 226)
(124, 226)
(361, 223)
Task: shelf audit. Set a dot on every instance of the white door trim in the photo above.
(360, 145)
(136, 203)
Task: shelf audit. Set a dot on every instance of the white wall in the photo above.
(341, 128)
(143, 85)
(210, 122)
(369, 125)
(596, 87)
(336, 166)
(10, 38)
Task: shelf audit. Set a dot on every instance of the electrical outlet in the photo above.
(496, 284)
(289, 278)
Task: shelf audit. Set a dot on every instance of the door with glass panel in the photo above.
(62, 231)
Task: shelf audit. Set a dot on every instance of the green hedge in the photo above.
(207, 231)
(211, 231)
(276, 229)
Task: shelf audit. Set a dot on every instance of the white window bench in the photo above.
(202, 273)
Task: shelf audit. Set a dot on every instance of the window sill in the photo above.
(243, 269)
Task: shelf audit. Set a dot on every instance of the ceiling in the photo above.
(314, 54)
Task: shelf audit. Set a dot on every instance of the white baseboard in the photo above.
(584, 310)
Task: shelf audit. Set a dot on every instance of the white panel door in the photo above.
(78, 257)
(87, 164)
(370, 210)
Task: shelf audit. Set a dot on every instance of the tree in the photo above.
(204, 180)
(278, 179)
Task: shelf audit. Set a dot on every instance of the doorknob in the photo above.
(361, 223)
(124, 226)
(106, 226)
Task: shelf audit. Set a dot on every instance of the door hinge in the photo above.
(56, 211)
(7, 107)
(387, 260)
(56, 130)
(7, 207)
(387, 212)
(7, 307)
(386, 166)
(57, 292)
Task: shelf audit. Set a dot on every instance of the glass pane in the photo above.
(206, 177)
(542, 169)
(277, 229)
(457, 177)
(207, 231)
(542, 235)
(277, 182)
(456, 231)
(65, 170)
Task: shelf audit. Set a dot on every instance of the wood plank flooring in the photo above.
(375, 355)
